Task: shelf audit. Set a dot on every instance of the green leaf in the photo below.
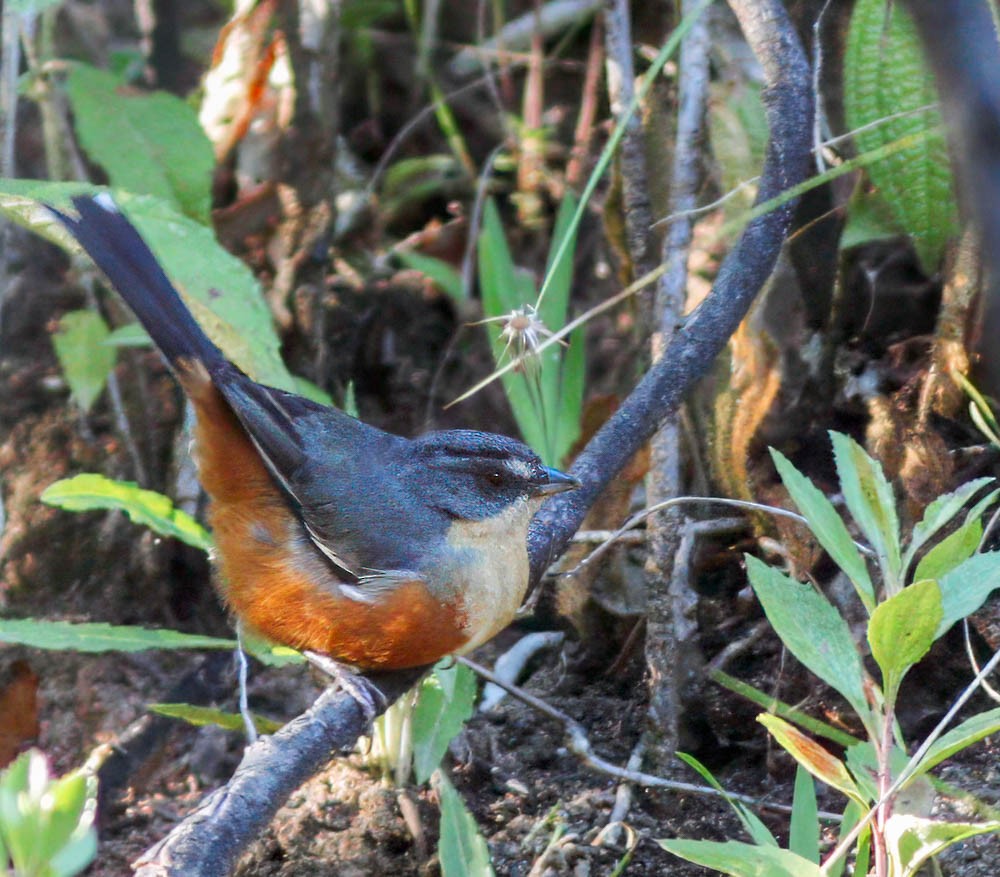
(810, 755)
(940, 512)
(827, 526)
(965, 588)
(443, 275)
(741, 859)
(912, 840)
(199, 716)
(100, 637)
(813, 631)
(885, 75)
(958, 738)
(461, 848)
(783, 709)
(864, 766)
(753, 825)
(219, 288)
(129, 335)
(149, 143)
(447, 698)
(803, 834)
(869, 219)
(955, 548)
(84, 357)
(148, 508)
(853, 813)
(871, 503)
(902, 629)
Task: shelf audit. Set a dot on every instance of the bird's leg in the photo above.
(357, 686)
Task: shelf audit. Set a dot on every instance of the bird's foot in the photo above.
(363, 691)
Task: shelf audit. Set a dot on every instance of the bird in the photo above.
(374, 551)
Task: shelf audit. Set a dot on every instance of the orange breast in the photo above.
(275, 581)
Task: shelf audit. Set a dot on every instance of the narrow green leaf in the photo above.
(150, 143)
(803, 834)
(940, 512)
(955, 548)
(129, 335)
(148, 508)
(200, 716)
(100, 637)
(965, 588)
(870, 500)
(886, 78)
(84, 356)
(902, 629)
(912, 840)
(852, 816)
(759, 833)
(447, 698)
(741, 859)
(461, 849)
(827, 526)
(783, 709)
(441, 273)
(810, 755)
(960, 737)
(813, 631)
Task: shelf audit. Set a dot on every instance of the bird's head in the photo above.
(477, 476)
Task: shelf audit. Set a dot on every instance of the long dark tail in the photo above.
(121, 253)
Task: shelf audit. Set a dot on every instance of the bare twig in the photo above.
(579, 744)
(788, 100)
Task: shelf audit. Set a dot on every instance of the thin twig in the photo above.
(579, 744)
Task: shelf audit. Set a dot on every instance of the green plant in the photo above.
(886, 79)
(546, 394)
(912, 593)
(46, 823)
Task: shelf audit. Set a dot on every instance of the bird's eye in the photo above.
(495, 478)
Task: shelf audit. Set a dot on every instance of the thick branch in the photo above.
(788, 102)
(211, 839)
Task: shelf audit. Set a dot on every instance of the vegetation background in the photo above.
(379, 203)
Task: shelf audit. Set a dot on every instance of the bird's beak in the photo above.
(557, 483)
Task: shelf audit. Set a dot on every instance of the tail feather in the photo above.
(119, 251)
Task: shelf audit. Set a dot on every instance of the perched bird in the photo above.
(333, 537)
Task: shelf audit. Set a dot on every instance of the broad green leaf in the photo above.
(85, 359)
(960, 737)
(199, 716)
(810, 755)
(965, 588)
(461, 848)
(741, 859)
(827, 526)
(100, 637)
(219, 288)
(447, 698)
(148, 508)
(902, 629)
(803, 833)
(886, 80)
(149, 143)
(870, 500)
(759, 833)
(940, 512)
(813, 631)
(443, 275)
(955, 548)
(912, 840)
